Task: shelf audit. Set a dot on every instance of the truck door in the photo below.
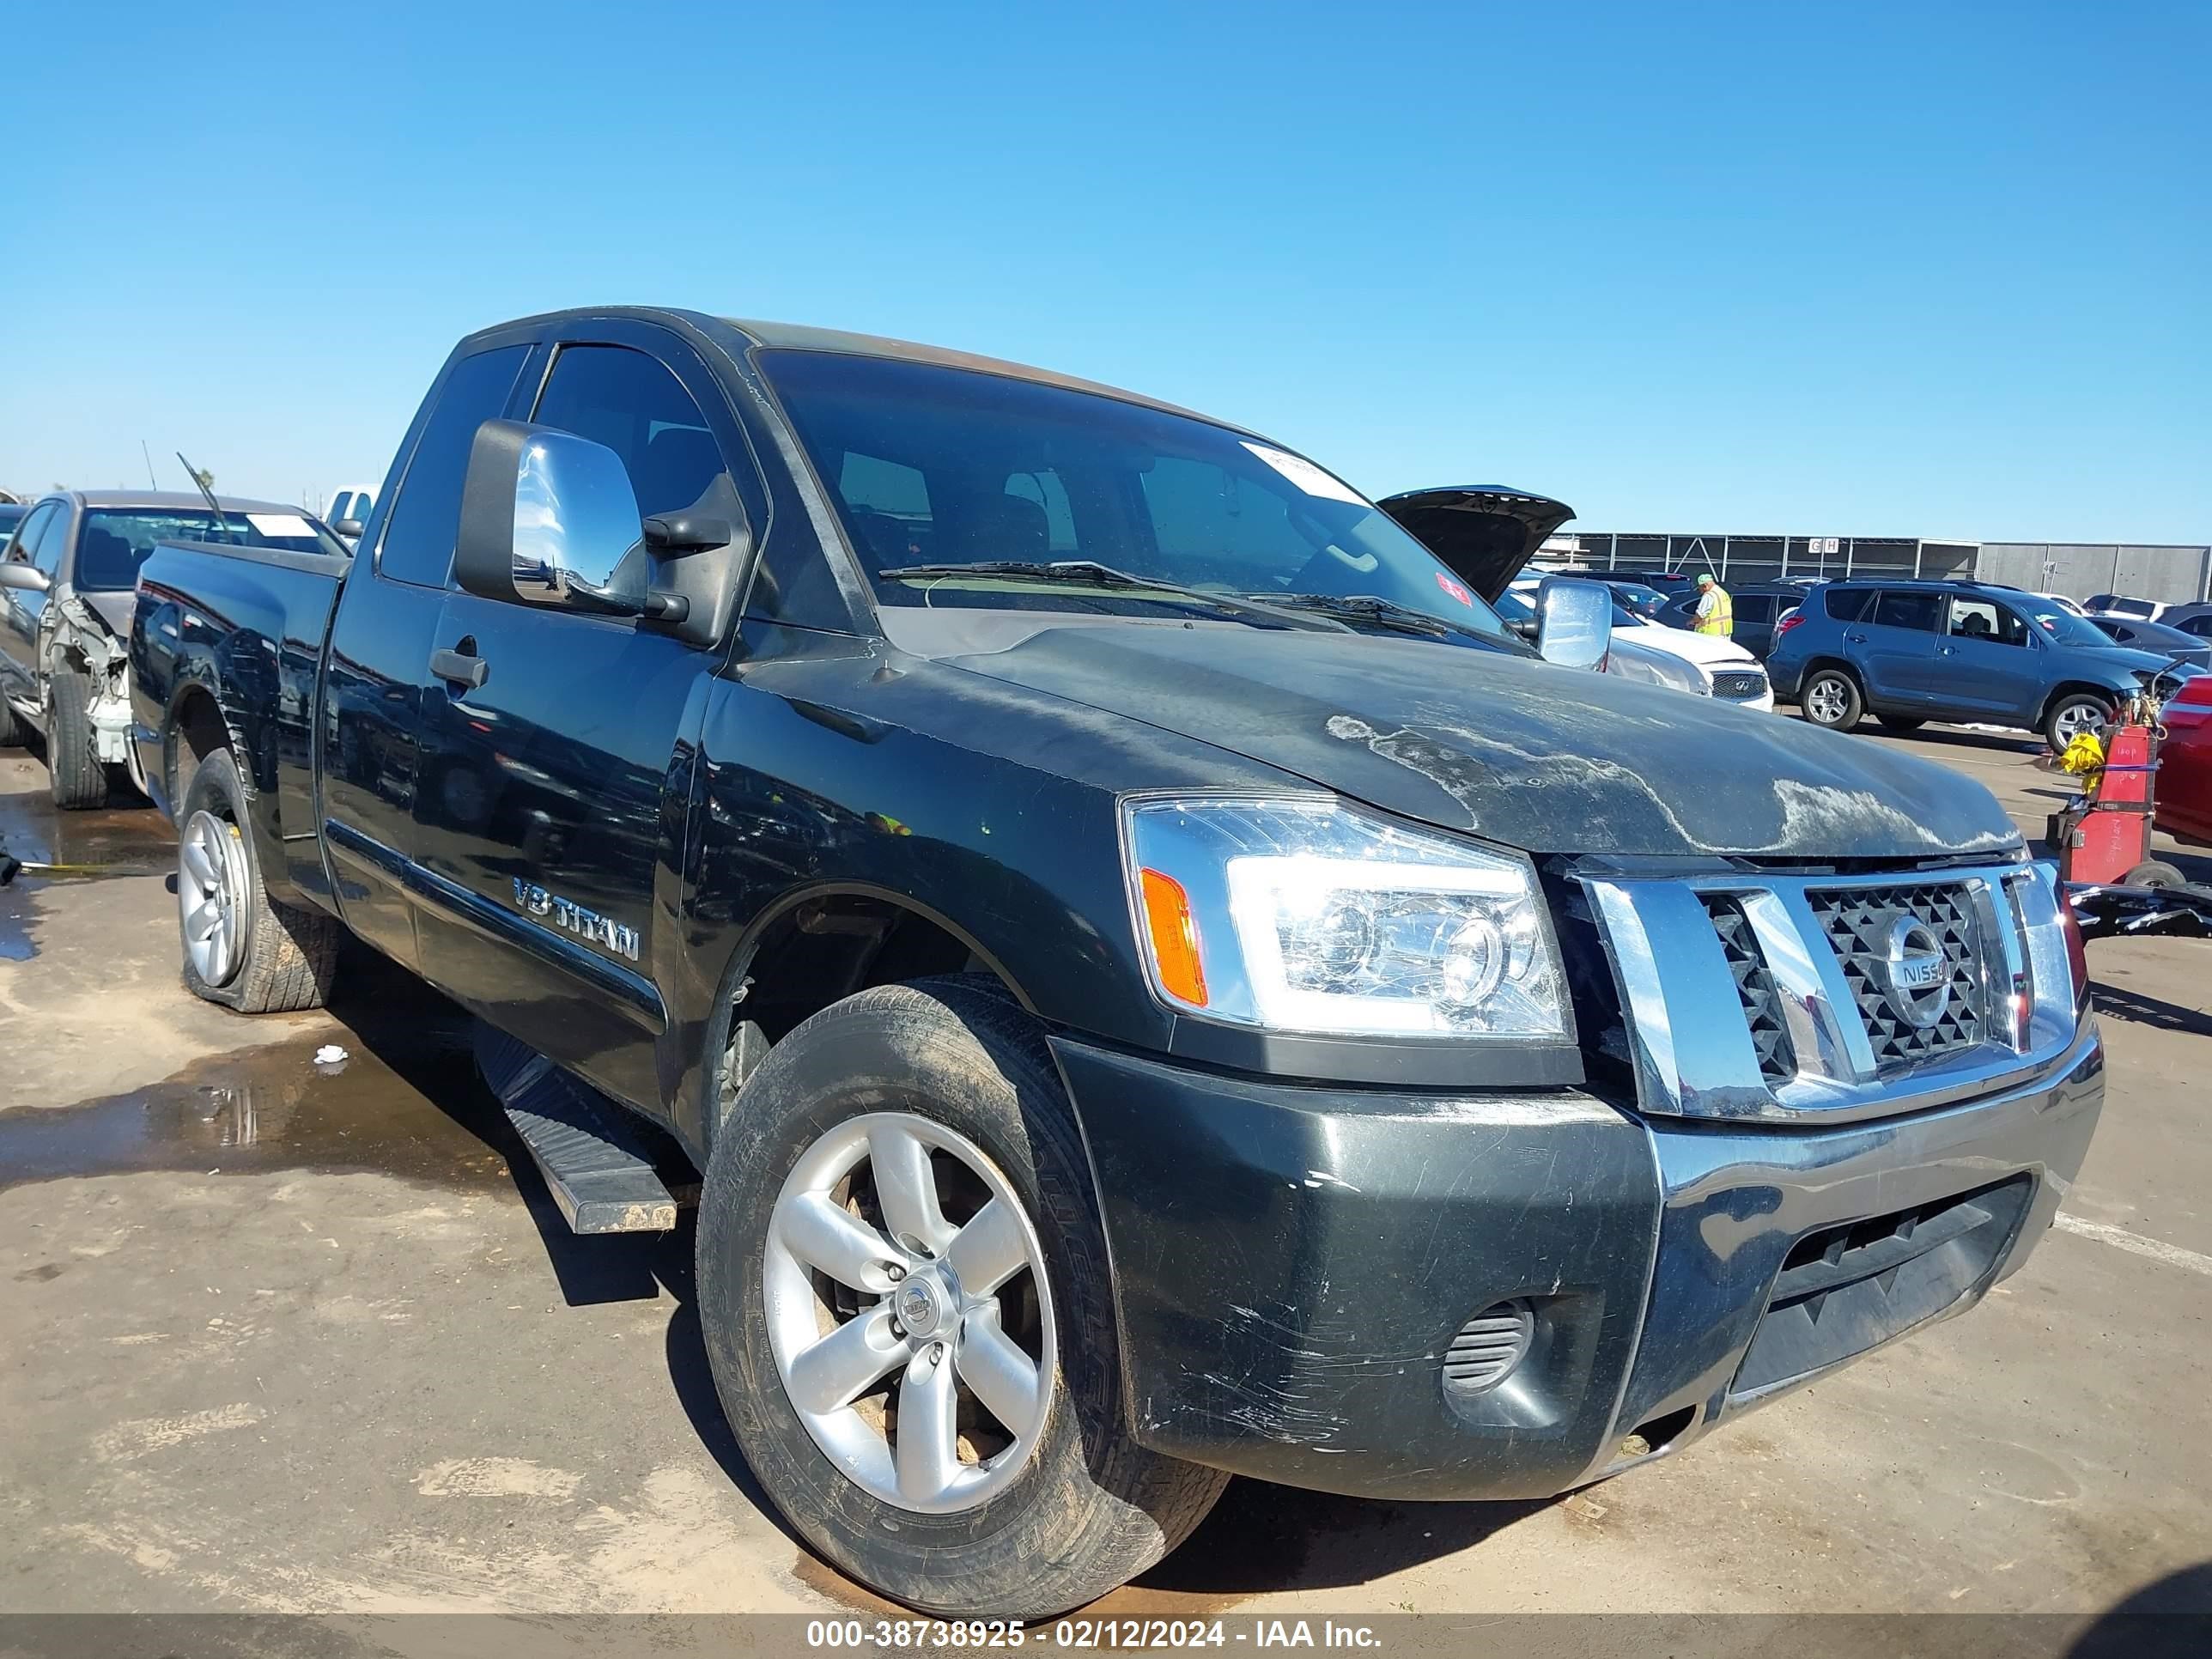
(554, 798)
(1986, 661)
(1896, 647)
(380, 640)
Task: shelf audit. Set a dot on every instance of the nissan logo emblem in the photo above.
(1919, 972)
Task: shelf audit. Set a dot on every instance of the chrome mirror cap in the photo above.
(1574, 623)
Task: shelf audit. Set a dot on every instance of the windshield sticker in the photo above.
(1455, 590)
(280, 524)
(1306, 475)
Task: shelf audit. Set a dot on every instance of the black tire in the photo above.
(1092, 1509)
(290, 955)
(2059, 712)
(74, 773)
(1851, 705)
(1901, 722)
(12, 732)
(2154, 872)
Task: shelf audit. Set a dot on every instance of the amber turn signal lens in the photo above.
(1175, 937)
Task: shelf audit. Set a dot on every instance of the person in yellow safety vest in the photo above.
(1715, 611)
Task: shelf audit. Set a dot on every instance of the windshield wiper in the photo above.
(1089, 573)
(1373, 608)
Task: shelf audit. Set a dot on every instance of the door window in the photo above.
(633, 404)
(418, 536)
(25, 539)
(1908, 610)
(1755, 608)
(1984, 619)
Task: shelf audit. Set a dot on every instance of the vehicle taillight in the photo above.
(2077, 954)
(1790, 618)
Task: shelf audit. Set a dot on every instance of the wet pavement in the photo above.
(278, 1335)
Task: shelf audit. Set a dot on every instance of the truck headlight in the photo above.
(1304, 915)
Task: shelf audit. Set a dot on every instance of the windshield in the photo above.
(115, 540)
(928, 465)
(2059, 625)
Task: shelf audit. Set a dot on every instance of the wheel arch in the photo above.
(813, 946)
(2065, 689)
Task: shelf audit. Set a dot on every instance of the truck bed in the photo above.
(247, 626)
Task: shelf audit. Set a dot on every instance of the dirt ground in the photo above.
(277, 1337)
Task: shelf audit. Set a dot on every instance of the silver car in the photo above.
(67, 577)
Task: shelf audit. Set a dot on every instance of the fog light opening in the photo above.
(1489, 1347)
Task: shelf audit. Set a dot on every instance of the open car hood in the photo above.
(1485, 533)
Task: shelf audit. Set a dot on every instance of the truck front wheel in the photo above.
(242, 948)
(903, 1287)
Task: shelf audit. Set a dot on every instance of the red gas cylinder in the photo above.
(2114, 837)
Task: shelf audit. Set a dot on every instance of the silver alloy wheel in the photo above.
(211, 895)
(1827, 700)
(2075, 718)
(941, 1303)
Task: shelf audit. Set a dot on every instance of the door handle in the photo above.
(461, 668)
(1946, 650)
(1856, 639)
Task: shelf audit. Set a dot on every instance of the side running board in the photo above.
(596, 1157)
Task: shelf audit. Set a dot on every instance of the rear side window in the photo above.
(418, 539)
(1908, 610)
(1754, 608)
(633, 405)
(1848, 603)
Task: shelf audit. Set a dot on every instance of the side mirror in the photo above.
(349, 528)
(548, 517)
(18, 573)
(1574, 623)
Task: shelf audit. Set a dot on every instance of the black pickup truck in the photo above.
(1154, 981)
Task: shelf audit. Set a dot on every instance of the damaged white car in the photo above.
(66, 583)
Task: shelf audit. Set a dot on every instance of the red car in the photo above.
(2184, 764)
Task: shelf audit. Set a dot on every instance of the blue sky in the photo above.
(1842, 270)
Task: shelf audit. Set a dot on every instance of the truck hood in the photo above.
(1517, 751)
(1483, 533)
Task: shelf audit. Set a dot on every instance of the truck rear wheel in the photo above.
(241, 948)
(74, 771)
(903, 1287)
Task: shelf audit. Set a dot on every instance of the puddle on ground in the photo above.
(412, 1107)
(120, 840)
(58, 846)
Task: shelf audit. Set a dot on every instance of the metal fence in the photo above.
(1761, 558)
(2173, 574)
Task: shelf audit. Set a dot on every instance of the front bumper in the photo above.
(1292, 1262)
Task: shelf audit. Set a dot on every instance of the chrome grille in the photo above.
(1739, 685)
(1754, 988)
(1488, 1346)
(1718, 973)
(1858, 922)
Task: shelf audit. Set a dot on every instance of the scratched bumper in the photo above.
(1292, 1262)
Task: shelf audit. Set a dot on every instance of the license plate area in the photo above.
(1847, 1288)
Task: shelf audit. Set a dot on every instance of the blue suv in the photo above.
(1907, 652)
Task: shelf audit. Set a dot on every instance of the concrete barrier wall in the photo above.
(2077, 569)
